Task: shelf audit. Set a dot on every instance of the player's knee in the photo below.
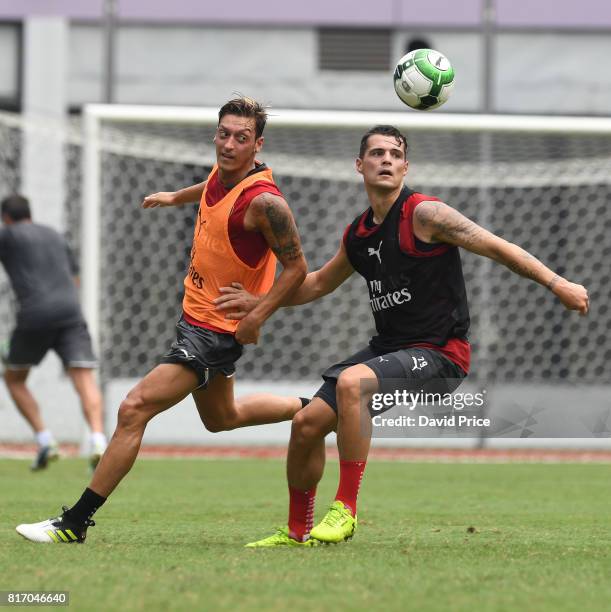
(9, 380)
(216, 426)
(348, 386)
(132, 412)
(14, 378)
(305, 429)
(223, 422)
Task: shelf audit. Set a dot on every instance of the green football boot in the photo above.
(281, 538)
(338, 525)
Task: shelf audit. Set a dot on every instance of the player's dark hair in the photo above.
(384, 130)
(16, 208)
(246, 107)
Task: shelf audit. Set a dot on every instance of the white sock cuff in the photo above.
(98, 438)
(44, 438)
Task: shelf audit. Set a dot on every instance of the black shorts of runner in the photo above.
(206, 352)
(410, 363)
(71, 342)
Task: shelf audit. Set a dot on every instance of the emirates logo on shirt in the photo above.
(389, 299)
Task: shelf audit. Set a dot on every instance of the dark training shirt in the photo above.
(41, 270)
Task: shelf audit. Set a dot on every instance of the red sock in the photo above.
(301, 512)
(350, 476)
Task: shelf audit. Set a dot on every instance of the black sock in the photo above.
(85, 507)
(305, 401)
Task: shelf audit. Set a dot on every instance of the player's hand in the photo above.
(248, 331)
(236, 301)
(572, 296)
(163, 198)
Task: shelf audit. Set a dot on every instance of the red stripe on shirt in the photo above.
(197, 323)
(250, 247)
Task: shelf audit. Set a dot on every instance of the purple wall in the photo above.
(554, 13)
(76, 9)
(317, 12)
(272, 12)
(440, 12)
(390, 13)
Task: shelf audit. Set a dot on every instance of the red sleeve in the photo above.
(236, 221)
(252, 191)
(407, 238)
(345, 236)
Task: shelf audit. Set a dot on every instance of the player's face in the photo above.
(236, 143)
(383, 164)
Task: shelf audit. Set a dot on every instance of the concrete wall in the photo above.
(195, 66)
(534, 72)
(193, 52)
(561, 73)
(9, 61)
(44, 101)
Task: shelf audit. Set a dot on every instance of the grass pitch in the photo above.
(430, 537)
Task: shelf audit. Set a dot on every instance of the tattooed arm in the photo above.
(438, 222)
(271, 215)
(237, 302)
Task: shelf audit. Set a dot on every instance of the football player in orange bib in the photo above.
(243, 226)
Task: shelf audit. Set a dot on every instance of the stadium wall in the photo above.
(553, 82)
(203, 66)
(203, 60)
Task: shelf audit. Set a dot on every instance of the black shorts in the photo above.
(205, 351)
(410, 363)
(72, 343)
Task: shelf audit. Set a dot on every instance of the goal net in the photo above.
(540, 182)
(10, 146)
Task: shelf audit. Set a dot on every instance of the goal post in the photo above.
(542, 182)
(476, 156)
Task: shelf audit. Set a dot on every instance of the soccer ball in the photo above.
(424, 79)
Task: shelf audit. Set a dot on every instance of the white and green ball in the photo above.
(424, 79)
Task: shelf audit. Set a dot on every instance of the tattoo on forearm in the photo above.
(284, 231)
(523, 267)
(450, 226)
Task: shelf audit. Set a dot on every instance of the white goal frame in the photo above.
(94, 114)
